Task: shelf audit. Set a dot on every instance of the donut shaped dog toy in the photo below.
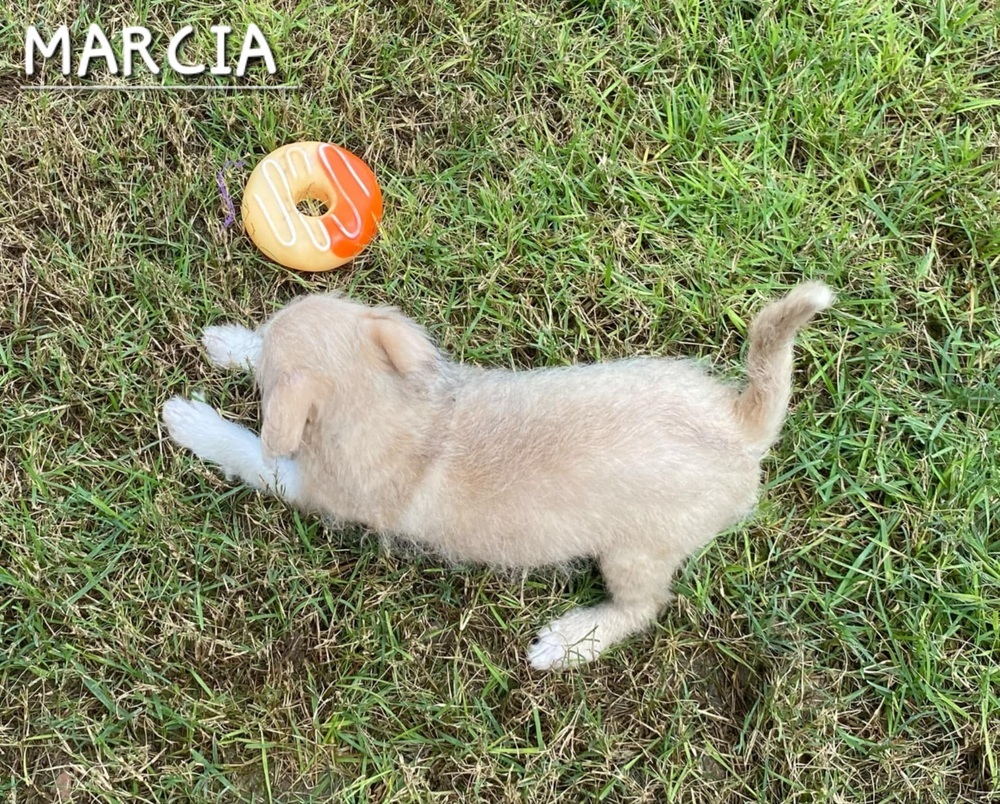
(320, 171)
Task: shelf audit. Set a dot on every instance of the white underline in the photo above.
(170, 87)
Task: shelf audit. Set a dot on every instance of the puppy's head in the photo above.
(325, 352)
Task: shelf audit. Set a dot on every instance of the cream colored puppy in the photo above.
(636, 463)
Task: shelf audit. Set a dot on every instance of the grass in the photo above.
(564, 181)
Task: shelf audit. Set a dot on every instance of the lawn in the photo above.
(563, 182)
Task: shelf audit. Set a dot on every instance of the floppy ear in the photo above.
(402, 342)
(288, 406)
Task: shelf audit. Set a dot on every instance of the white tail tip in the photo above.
(818, 295)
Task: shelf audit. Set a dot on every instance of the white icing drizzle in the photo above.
(357, 178)
(309, 231)
(357, 217)
(306, 219)
(298, 149)
(274, 191)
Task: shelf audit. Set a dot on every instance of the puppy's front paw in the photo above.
(195, 426)
(571, 639)
(231, 346)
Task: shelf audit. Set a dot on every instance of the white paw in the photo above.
(231, 346)
(571, 639)
(198, 427)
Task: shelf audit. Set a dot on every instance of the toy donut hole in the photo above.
(313, 203)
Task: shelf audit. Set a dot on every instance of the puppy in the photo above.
(637, 463)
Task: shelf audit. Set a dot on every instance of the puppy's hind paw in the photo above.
(231, 346)
(569, 640)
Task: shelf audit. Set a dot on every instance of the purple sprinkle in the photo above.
(220, 180)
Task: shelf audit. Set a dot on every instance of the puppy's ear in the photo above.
(401, 342)
(288, 406)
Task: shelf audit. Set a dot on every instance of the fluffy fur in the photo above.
(636, 463)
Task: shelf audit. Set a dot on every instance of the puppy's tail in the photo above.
(761, 407)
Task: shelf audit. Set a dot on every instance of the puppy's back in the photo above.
(536, 466)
